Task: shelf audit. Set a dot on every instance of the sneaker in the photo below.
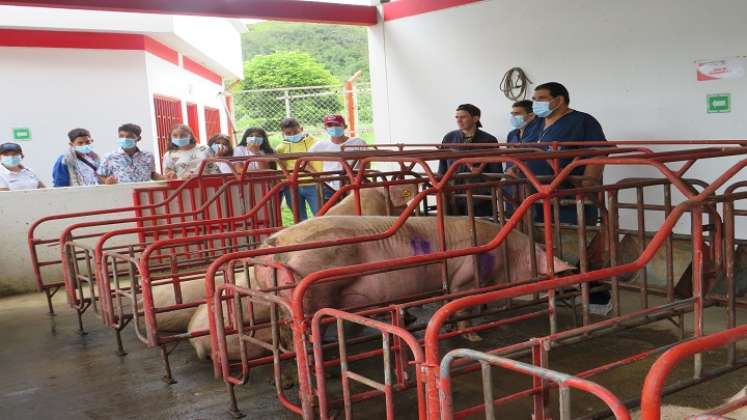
(601, 310)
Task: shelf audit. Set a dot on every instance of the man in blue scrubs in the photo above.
(560, 123)
(524, 122)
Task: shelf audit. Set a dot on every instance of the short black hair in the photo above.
(289, 123)
(78, 132)
(526, 104)
(555, 89)
(471, 110)
(131, 128)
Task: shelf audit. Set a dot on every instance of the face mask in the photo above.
(254, 140)
(126, 143)
(295, 138)
(11, 161)
(542, 108)
(517, 121)
(85, 149)
(217, 148)
(180, 142)
(335, 131)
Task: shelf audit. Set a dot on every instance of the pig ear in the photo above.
(400, 195)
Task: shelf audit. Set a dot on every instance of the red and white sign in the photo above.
(725, 68)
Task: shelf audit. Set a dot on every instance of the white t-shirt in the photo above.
(14, 181)
(328, 146)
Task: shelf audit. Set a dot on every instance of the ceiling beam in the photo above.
(283, 10)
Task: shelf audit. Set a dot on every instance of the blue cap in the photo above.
(10, 147)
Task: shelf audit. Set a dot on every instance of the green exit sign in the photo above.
(719, 103)
(21, 134)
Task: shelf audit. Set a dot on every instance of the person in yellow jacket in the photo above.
(295, 140)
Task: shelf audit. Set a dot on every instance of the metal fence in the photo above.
(266, 108)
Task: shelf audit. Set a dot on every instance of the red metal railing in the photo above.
(653, 386)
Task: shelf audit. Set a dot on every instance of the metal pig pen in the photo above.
(220, 196)
(662, 158)
(145, 267)
(401, 219)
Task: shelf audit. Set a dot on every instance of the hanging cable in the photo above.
(514, 84)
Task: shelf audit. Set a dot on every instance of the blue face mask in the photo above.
(254, 140)
(85, 149)
(295, 138)
(335, 131)
(517, 121)
(11, 161)
(181, 142)
(126, 143)
(542, 108)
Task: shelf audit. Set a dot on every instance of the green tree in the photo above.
(285, 69)
(341, 49)
(282, 70)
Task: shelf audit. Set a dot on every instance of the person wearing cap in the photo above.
(77, 166)
(13, 175)
(335, 126)
(469, 131)
(128, 163)
(296, 140)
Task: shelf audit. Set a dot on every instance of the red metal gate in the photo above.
(168, 114)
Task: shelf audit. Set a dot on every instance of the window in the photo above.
(168, 114)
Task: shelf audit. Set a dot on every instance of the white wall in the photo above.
(629, 63)
(167, 79)
(28, 206)
(51, 91)
(213, 42)
(82, 20)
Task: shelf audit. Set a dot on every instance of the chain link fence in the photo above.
(266, 108)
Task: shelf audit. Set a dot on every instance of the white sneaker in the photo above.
(601, 310)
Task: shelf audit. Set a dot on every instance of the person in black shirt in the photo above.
(468, 120)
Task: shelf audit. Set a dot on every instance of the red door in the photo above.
(212, 121)
(193, 120)
(168, 114)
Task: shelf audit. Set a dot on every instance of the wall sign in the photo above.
(723, 68)
(718, 103)
(21, 134)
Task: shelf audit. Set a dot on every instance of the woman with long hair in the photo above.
(185, 156)
(254, 142)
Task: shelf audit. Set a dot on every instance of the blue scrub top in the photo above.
(575, 126)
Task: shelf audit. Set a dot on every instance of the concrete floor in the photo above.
(49, 371)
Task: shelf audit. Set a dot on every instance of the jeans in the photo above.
(307, 195)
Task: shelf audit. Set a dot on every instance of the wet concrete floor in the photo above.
(49, 371)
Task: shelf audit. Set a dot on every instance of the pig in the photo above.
(200, 322)
(192, 291)
(418, 236)
(373, 201)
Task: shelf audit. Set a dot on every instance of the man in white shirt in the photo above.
(335, 126)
